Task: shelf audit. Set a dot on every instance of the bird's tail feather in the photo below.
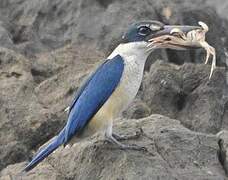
(44, 152)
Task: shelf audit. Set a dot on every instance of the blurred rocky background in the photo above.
(47, 47)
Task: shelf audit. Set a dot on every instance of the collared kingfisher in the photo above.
(109, 90)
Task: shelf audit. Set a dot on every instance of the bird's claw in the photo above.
(113, 140)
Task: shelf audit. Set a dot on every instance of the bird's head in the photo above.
(141, 35)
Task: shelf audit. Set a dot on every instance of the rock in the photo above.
(40, 26)
(190, 12)
(15, 91)
(174, 152)
(31, 99)
(48, 47)
(138, 109)
(161, 89)
(5, 36)
(222, 151)
(185, 93)
(204, 100)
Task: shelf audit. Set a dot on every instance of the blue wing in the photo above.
(82, 87)
(88, 100)
(93, 94)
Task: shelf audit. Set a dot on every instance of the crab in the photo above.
(194, 39)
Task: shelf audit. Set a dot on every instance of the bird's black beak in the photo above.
(167, 30)
(175, 37)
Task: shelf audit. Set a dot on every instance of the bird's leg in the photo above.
(111, 139)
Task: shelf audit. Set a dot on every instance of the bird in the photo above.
(109, 90)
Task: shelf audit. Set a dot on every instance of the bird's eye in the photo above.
(144, 31)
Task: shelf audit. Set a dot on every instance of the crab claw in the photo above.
(204, 26)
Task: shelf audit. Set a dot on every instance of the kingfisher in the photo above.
(108, 91)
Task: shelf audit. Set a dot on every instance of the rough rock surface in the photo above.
(168, 155)
(185, 93)
(41, 25)
(34, 96)
(48, 47)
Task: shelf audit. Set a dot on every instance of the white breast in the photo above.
(129, 84)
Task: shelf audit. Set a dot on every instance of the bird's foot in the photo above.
(111, 139)
(123, 138)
